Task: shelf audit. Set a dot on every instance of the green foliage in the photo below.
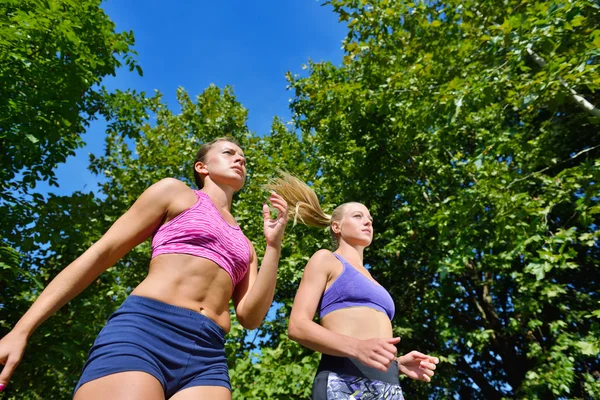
(478, 165)
(285, 371)
(482, 174)
(53, 54)
(66, 227)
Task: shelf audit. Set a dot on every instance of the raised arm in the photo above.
(376, 353)
(135, 226)
(254, 294)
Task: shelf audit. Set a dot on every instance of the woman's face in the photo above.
(355, 226)
(225, 164)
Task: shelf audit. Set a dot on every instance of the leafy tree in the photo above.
(53, 55)
(469, 129)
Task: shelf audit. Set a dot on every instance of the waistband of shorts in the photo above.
(174, 310)
(350, 366)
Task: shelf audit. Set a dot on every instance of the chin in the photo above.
(362, 242)
(238, 185)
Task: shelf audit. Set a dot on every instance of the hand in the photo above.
(274, 228)
(12, 347)
(417, 365)
(377, 353)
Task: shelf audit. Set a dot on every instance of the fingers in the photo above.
(281, 210)
(384, 353)
(427, 374)
(390, 348)
(377, 365)
(378, 353)
(384, 360)
(279, 204)
(266, 212)
(420, 356)
(277, 200)
(427, 368)
(395, 340)
(386, 348)
(7, 371)
(274, 195)
(427, 365)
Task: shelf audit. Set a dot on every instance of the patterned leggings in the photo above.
(347, 379)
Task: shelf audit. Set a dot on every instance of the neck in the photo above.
(221, 196)
(351, 252)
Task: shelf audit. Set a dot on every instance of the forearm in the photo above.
(315, 337)
(260, 296)
(65, 286)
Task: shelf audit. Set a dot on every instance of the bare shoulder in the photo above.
(323, 256)
(169, 185)
(323, 262)
(165, 190)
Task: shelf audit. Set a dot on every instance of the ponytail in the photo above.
(302, 201)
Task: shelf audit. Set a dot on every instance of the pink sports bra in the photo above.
(201, 231)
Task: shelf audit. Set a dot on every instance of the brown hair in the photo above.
(303, 203)
(203, 151)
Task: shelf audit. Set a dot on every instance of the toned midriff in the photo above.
(359, 323)
(189, 282)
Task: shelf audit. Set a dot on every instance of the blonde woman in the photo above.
(355, 333)
(166, 341)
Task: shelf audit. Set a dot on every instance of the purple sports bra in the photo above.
(201, 231)
(352, 289)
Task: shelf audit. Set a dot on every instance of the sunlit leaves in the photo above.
(480, 171)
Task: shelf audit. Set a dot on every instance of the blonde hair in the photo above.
(303, 203)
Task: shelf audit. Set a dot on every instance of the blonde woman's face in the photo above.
(355, 226)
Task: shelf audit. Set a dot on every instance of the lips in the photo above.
(238, 169)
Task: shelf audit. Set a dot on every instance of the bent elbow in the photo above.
(294, 331)
(252, 325)
(249, 323)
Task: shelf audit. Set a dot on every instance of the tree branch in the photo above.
(548, 167)
(580, 100)
(489, 392)
(505, 345)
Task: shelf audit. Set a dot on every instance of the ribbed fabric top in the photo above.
(201, 231)
(352, 289)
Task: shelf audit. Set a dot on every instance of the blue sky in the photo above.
(249, 45)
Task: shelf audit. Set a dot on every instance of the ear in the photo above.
(336, 227)
(201, 168)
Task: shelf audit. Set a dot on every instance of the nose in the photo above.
(240, 159)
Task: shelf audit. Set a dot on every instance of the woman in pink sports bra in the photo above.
(355, 333)
(166, 341)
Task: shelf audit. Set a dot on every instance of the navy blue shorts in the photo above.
(179, 347)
